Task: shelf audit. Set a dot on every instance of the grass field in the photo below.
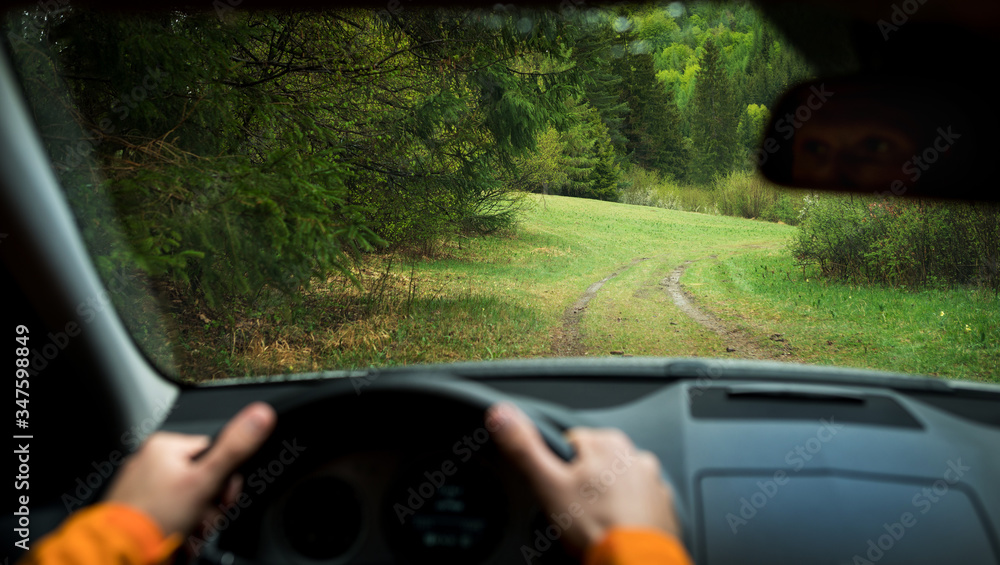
(529, 295)
(949, 333)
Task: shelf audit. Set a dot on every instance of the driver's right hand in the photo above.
(609, 484)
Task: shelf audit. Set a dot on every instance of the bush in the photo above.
(900, 242)
(649, 188)
(577, 161)
(741, 194)
(748, 195)
(641, 187)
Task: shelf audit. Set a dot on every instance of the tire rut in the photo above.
(737, 341)
(568, 341)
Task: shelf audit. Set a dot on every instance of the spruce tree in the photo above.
(595, 53)
(714, 118)
(652, 127)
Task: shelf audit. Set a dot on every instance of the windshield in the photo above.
(291, 192)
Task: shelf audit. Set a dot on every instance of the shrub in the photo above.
(748, 195)
(741, 194)
(900, 242)
(650, 188)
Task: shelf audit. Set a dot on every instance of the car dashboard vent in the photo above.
(752, 403)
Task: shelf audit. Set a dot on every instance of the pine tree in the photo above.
(749, 132)
(262, 152)
(605, 172)
(758, 70)
(594, 57)
(714, 118)
(652, 127)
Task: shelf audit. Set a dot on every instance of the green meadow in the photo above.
(508, 297)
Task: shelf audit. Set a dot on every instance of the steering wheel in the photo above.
(344, 416)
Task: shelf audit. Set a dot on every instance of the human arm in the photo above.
(611, 498)
(162, 492)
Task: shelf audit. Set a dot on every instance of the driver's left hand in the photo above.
(169, 481)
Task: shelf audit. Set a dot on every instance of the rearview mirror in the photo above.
(892, 137)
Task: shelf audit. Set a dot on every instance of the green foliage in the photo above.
(605, 174)
(755, 70)
(646, 187)
(656, 28)
(714, 119)
(749, 133)
(594, 54)
(221, 185)
(279, 223)
(652, 127)
(268, 150)
(770, 69)
(436, 147)
(234, 163)
(545, 167)
(900, 242)
(748, 195)
(579, 161)
(740, 193)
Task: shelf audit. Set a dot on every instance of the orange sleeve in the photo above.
(104, 533)
(635, 546)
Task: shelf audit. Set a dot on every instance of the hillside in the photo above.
(586, 277)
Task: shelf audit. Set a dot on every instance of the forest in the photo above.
(292, 142)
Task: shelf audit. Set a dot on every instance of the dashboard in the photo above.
(379, 506)
(338, 483)
(765, 470)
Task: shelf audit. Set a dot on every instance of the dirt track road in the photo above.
(568, 340)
